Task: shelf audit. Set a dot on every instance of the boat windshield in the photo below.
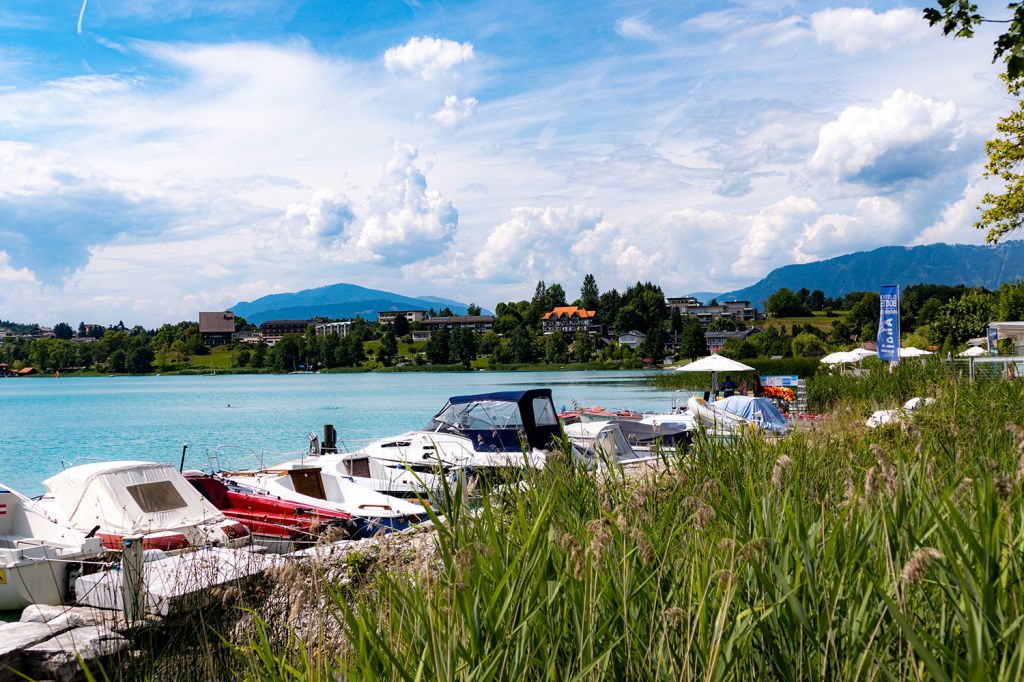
(480, 415)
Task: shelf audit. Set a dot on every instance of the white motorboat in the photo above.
(605, 443)
(114, 500)
(717, 419)
(479, 434)
(38, 554)
(309, 484)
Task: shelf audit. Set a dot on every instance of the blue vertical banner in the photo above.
(889, 323)
(993, 340)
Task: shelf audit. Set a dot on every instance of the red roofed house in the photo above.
(570, 318)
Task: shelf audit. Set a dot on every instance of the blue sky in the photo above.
(157, 158)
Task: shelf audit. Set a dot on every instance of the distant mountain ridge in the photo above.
(340, 300)
(973, 266)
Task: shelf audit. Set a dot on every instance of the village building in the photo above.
(481, 324)
(274, 330)
(216, 328)
(633, 339)
(341, 328)
(388, 316)
(570, 318)
(716, 340)
(740, 312)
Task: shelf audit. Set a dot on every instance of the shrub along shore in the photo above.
(834, 553)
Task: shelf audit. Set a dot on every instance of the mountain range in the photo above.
(974, 266)
(338, 301)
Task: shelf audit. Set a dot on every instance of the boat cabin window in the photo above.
(358, 467)
(308, 482)
(479, 415)
(544, 412)
(160, 496)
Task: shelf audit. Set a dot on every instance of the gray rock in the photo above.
(58, 658)
(15, 638)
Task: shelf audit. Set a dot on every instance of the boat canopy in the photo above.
(503, 421)
(129, 497)
(758, 410)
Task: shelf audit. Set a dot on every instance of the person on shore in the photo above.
(743, 387)
(729, 387)
(758, 391)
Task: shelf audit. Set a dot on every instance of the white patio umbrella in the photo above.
(973, 352)
(714, 364)
(862, 353)
(911, 352)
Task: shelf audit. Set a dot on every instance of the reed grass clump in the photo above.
(890, 554)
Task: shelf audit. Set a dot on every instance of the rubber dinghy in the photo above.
(36, 553)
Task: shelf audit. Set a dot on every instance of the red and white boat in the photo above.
(276, 523)
(114, 500)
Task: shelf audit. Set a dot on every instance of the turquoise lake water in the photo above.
(44, 421)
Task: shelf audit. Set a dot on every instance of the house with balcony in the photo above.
(568, 319)
(716, 340)
(216, 328)
(341, 328)
(274, 330)
(740, 312)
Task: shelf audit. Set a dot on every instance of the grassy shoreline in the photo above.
(836, 553)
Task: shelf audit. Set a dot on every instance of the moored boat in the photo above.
(278, 524)
(38, 554)
(113, 500)
(306, 484)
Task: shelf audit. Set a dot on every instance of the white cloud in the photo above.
(636, 28)
(454, 112)
(876, 221)
(11, 275)
(908, 136)
(772, 233)
(320, 222)
(851, 30)
(956, 222)
(536, 243)
(405, 221)
(429, 57)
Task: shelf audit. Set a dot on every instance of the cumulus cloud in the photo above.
(637, 28)
(876, 221)
(772, 233)
(428, 57)
(851, 30)
(909, 136)
(320, 222)
(454, 112)
(405, 221)
(537, 243)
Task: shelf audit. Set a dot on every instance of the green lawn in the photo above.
(817, 320)
(219, 358)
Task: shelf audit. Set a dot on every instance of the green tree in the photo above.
(259, 355)
(243, 357)
(473, 309)
(722, 324)
(63, 330)
(287, 353)
(1010, 301)
(692, 343)
(139, 360)
(864, 316)
(438, 348)
(786, 303)
(964, 318)
(520, 345)
(117, 361)
(1004, 212)
(388, 348)
(489, 343)
(401, 326)
(463, 347)
(556, 348)
(590, 296)
(582, 346)
(960, 17)
(808, 345)
(676, 321)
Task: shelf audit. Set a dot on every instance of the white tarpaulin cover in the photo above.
(758, 410)
(129, 498)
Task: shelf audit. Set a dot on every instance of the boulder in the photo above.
(58, 658)
(15, 638)
(67, 616)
